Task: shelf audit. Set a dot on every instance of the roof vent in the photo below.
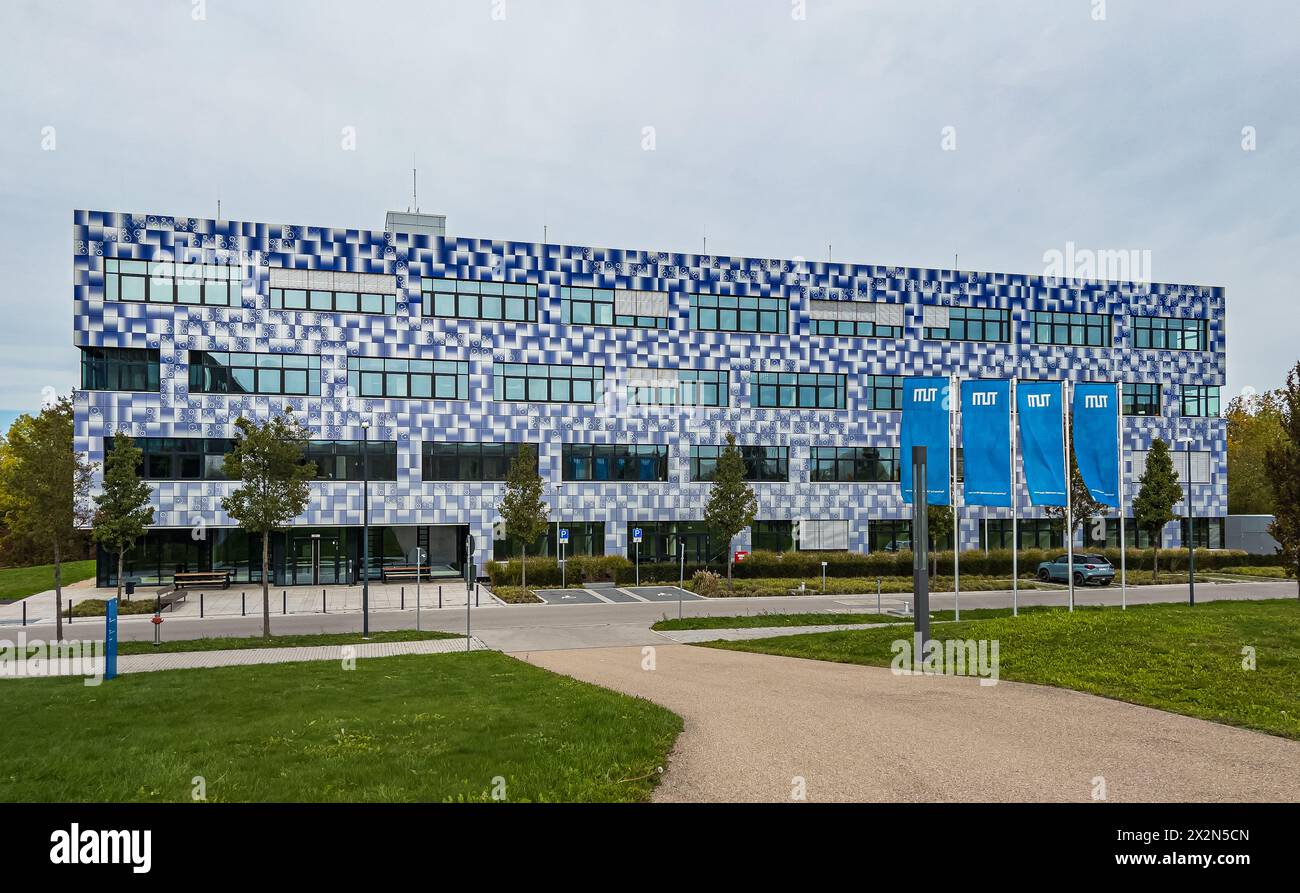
(416, 224)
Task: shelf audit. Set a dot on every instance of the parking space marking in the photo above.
(662, 593)
(567, 597)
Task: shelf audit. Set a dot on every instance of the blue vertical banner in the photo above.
(986, 442)
(1094, 431)
(110, 639)
(926, 423)
(1040, 406)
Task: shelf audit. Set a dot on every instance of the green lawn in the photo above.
(828, 618)
(228, 643)
(1186, 660)
(409, 728)
(20, 582)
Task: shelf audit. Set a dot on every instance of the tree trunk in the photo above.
(523, 567)
(730, 555)
(1155, 564)
(266, 585)
(58, 592)
(121, 559)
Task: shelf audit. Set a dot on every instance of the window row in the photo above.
(408, 379)
(614, 307)
(333, 301)
(543, 383)
(165, 282)
(232, 372)
(762, 463)
(804, 390)
(203, 458)
(677, 387)
(468, 299)
(614, 462)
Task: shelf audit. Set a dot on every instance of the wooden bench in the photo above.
(201, 578)
(404, 572)
(171, 599)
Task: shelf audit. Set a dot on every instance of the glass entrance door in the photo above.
(316, 559)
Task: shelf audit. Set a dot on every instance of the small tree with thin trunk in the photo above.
(123, 513)
(1158, 493)
(275, 489)
(940, 523)
(1282, 462)
(44, 484)
(732, 505)
(523, 511)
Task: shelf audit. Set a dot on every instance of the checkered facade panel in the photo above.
(897, 293)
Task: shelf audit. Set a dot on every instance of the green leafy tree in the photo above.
(732, 505)
(1082, 505)
(123, 513)
(1282, 462)
(274, 489)
(939, 523)
(1158, 493)
(523, 511)
(1255, 425)
(44, 485)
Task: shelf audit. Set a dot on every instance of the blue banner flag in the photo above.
(986, 442)
(110, 639)
(1094, 432)
(1042, 440)
(926, 423)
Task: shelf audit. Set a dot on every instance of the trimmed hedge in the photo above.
(616, 568)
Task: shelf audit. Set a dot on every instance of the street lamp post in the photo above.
(365, 530)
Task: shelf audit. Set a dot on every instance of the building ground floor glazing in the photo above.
(322, 556)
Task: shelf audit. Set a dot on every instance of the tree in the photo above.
(1158, 494)
(732, 505)
(939, 523)
(523, 511)
(44, 483)
(1282, 462)
(268, 459)
(123, 514)
(1082, 505)
(1255, 425)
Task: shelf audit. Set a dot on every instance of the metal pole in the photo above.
(638, 564)
(365, 530)
(1069, 486)
(439, 595)
(954, 387)
(419, 562)
(1123, 543)
(920, 558)
(243, 604)
(877, 595)
(1015, 506)
(681, 548)
(468, 559)
(284, 601)
(1191, 535)
(401, 604)
(823, 578)
(200, 606)
(324, 608)
(564, 577)
(24, 612)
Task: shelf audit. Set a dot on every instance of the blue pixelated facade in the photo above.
(254, 325)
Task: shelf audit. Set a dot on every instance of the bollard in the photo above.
(323, 609)
(243, 605)
(877, 595)
(403, 598)
(200, 605)
(24, 612)
(284, 601)
(439, 598)
(69, 610)
(476, 593)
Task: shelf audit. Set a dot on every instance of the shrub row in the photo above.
(617, 569)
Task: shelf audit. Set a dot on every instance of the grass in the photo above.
(408, 728)
(783, 586)
(239, 643)
(754, 621)
(516, 595)
(1172, 657)
(1277, 573)
(94, 607)
(20, 582)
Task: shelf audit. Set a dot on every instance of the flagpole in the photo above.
(1015, 509)
(1123, 543)
(1069, 486)
(952, 494)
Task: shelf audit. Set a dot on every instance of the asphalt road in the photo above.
(760, 728)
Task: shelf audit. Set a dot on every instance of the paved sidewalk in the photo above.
(757, 724)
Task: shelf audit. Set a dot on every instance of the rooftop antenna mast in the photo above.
(706, 239)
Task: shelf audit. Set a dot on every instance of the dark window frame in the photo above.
(601, 310)
(620, 462)
(558, 380)
(770, 390)
(220, 371)
(127, 369)
(972, 324)
(442, 298)
(729, 313)
(763, 464)
(392, 378)
(1069, 329)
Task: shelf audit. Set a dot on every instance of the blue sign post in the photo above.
(926, 423)
(636, 540)
(110, 639)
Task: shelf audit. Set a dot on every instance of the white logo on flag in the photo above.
(984, 398)
(1096, 401)
(1038, 401)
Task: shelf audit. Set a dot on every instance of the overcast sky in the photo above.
(780, 127)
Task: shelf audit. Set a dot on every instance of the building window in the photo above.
(1201, 401)
(467, 299)
(614, 307)
(863, 319)
(772, 536)
(326, 291)
(585, 538)
(466, 461)
(615, 462)
(762, 463)
(180, 458)
(1035, 533)
(119, 369)
(727, 313)
(1141, 399)
(884, 391)
(821, 535)
(341, 460)
(854, 465)
(677, 387)
(1201, 460)
(165, 282)
(222, 372)
(1168, 333)
(667, 540)
(889, 536)
(1207, 532)
(801, 390)
(408, 379)
(967, 324)
(1072, 329)
(540, 383)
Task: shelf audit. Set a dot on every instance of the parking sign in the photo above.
(564, 535)
(636, 534)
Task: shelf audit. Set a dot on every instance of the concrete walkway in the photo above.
(756, 724)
